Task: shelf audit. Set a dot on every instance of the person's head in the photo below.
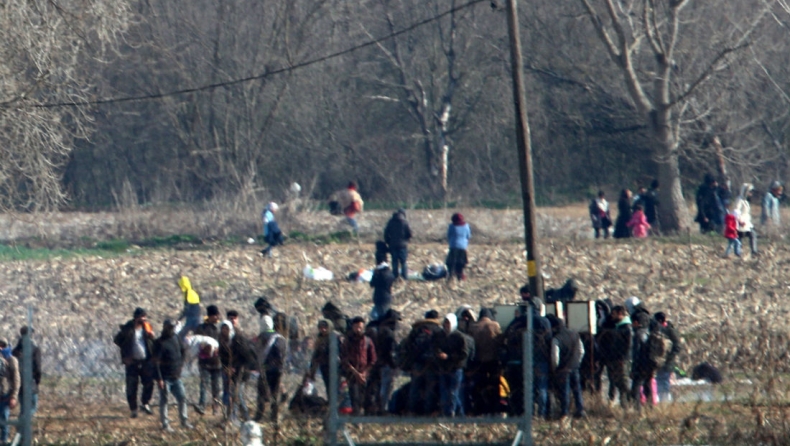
(618, 313)
(3, 342)
(450, 323)
(457, 219)
(601, 194)
(631, 303)
(272, 206)
(625, 194)
(485, 313)
(641, 320)
(401, 212)
(746, 190)
(262, 306)
(140, 315)
(710, 180)
(431, 314)
(233, 317)
(521, 310)
(776, 188)
(323, 327)
(525, 293)
(464, 313)
(212, 314)
(226, 330)
(358, 325)
(352, 185)
(308, 343)
(660, 317)
(556, 323)
(168, 328)
(638, 208)
(23, 331)
(642, 190)
(654, 184)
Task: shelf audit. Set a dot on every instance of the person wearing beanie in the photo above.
(136, 341)
(567, 351)
(743, 209)
(191, 306)
(710, 209)
(209, 365)
(271, 348)
(397, 234)
(458, 235)
(169, 353)
(642, 369)
(36, 359)
(770, 215)
(10, 383)
(271, 230)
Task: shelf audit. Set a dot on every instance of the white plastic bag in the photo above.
(319, 273)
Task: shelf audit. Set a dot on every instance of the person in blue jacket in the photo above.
(458, 235)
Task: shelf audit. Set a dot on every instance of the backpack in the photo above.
(658, 346)
(417, 348)
(434, 272)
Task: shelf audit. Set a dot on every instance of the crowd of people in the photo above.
(637, 215)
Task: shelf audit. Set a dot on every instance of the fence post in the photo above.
(526, 362)
(332, 425)
(26, 414)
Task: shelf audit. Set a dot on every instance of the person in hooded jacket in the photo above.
(511, 355)
(238, 358)
(320, 358)
(615, 340)
(486, 371)
(271, 230)
(271, 352)
(458, 235)
(419, 361)
(18, 351)
(744, 211)
(136, 341)
(357, 356)
(169, 353)
(191, 307)
(770, 214)
(452, 352)
(10, 384)
(642, 369)
(397, 235)
(381, 282)
(624, 214)
(209, 364)
(664, 373)
(567, 350)
(710, 209)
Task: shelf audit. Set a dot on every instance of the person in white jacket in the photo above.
(743, 209)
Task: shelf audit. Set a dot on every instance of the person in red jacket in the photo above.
(731, 234)
(357, 356)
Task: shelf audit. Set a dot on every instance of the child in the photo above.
(638, 223)
(731, 233)
(458, 235)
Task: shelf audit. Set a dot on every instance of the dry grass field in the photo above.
(732, 312)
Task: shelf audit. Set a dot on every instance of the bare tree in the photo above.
(42, 46)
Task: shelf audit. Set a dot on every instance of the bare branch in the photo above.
(707, 73)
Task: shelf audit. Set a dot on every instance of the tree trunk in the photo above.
(673, 211)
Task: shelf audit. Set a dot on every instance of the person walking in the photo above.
(357, 356)
(397, 235)
(271, 230)
(191, 307)
(10, 383)
(209, 364)
(770, 217)
(351, 204)
(744, 211)
(272, 349)
(624, 213)
(567, 350)
(458, 235)
(169, 353)
(710, 210)
(18, 353)
(638, 223)
(731, 234)
(599, 215)
(136, 341)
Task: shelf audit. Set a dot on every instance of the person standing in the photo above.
(209, 364)
(351, 204)
(452, 352)
(381, 282)
(320, 358)
(770, 216)
(615, 339)
(385, 368)
(136, 341)
(638, 223)
(567, 350)
(649, 201)
(458, 235)
(10, 383)
(272, 349)
(710, 210)
(731, 234)
(642, 368)
(744, 211)
(271, 230)
(664, 373)
(238, 359)
(599, 214)
(624, 212)
(397, 235)
(191, 307)
(419, 361)
(487, 372)
(169, 360)
(357, 356)
(36, 359)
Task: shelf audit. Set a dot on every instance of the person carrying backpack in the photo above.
(567, 351)
(10, 383)
(419, 361)
(272, 349)
(136, 341)
(665, 370)
(647, 353)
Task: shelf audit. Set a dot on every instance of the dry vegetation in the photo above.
(731, 312)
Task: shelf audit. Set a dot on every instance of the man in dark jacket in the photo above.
(664, 373)
(357, 356)
(642, 367)
(136, 340)
(381, 375)
(452, 352)
(272, 349)
(615, 341)
(397, 235)
(649, 202)
(168, 357)
(18, 352)
(710, 210)
(486, 373)
(320, 359)
(511, 355)
(566, 355)
(381, 282)
(209, 365)
(238, 358)
(419, 361)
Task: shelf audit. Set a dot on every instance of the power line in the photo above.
(263, 75)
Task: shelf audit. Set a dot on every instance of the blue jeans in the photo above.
(399, 256)
(236, 388)
(734, 243)
(450, 393)
(354, 225)
(541, 388)
(663, 385)
(385, 388)
(567, 383)
(5, 414)
(176, 387)
(209, 377)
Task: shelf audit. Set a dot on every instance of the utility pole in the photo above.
(524, 146)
